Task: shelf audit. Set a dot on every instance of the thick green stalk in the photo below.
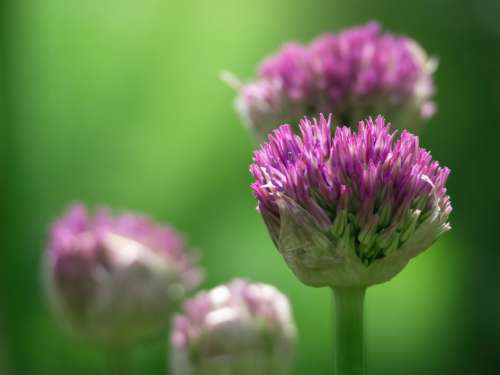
(350, 352)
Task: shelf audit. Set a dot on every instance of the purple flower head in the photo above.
(240, 327)
(116, 278)
(351, 74)
(351, 209)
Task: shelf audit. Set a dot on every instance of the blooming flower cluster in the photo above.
(352, 74)
(351, 209)
(345, 211)
(239, 328)
(116, 279)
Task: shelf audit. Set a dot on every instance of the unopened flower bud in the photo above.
(116, 280)
(239, 328)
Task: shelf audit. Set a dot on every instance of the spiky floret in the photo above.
(351, 74)
(352, 208)
(116, 279)
(240, 327)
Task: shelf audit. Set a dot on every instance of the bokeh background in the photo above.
(118, 102)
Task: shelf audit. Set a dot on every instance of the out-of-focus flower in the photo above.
(116, 279)
(352, 209)
(351, 74)
(239, 328)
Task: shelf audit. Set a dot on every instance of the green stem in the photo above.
(120, 361)
(350, 352)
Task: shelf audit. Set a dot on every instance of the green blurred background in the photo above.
(119, 103)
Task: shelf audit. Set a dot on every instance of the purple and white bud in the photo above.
(116, 280)
(239, 328)
(351, 74)
(352, 209)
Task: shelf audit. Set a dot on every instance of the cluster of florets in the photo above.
(352, 74)
(348, 210)
(351, 209)
(238, 328)
(117, 279)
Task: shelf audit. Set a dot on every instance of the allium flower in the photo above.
(352, 209)
(239, 328)
(351, 74)
(116, 279)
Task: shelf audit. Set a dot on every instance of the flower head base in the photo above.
(351, 210)
(116, 279)
(238, 328)
(351, 74)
